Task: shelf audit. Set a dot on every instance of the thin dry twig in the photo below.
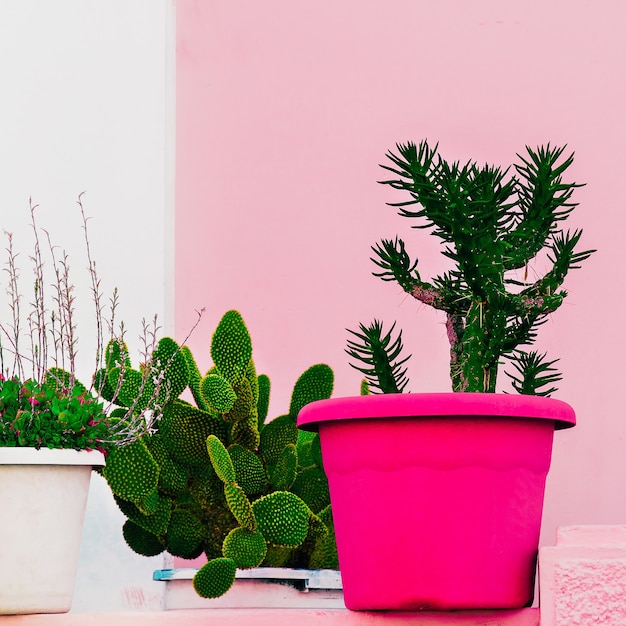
(53, 334)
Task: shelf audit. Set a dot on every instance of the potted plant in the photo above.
(209, 475)
(438, 498)
(53, 431)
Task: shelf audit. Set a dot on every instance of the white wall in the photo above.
(86, 105)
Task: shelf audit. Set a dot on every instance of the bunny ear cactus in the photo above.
(212, 476)
(492, 225)
(231, 348)
(165, 376)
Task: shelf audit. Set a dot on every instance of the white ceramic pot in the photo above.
(43, 495)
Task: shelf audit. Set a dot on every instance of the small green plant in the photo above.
(492, 225)
(213, 476)
(47, 415)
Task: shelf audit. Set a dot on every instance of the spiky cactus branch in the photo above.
(490, 223)
(379, 353)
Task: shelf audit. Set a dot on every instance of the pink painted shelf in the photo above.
(279, 617)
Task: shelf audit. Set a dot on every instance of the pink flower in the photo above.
(33, 401)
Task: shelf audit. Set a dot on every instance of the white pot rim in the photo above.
(45, 456)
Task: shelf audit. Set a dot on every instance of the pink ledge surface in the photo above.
(286, 617)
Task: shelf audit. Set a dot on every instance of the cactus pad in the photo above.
(185, 534)
(206, 488)
(217, 393)
(173, 478)
(170, 365)
(277, 434)
(60, 379)
(140, 540)
(155, 523)
(244, 406)
(222, 463)
(131, 387)
(252, 377)
(249, 470)
(245, 433)
(132, 473)
(283, 473)
(277, 556)
(185, 429)
(246, 548)
(312, 486)
(282, 518)
(102, 386)
(116, 354)
(304, 449)
(316, 383)
(231, 347)
(194, 378)
(324, 555)
(215, 578)
(316, 451)
(240, 506)
(263, 403)
(317, 528)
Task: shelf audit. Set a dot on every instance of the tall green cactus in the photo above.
(215, 477)
(492, 225)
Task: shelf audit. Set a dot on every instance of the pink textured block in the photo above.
(582, 580)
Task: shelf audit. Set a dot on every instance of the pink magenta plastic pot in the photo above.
(437, 498)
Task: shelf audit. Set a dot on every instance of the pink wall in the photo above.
(285, 110)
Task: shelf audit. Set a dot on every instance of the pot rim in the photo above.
(46, 456)
(451, 404)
